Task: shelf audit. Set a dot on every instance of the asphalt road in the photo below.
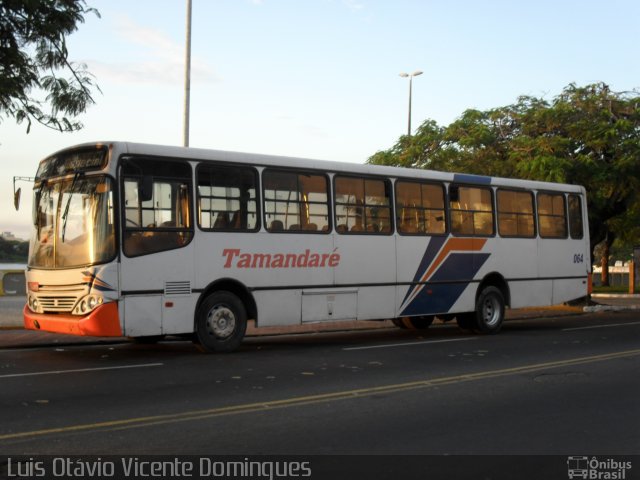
(565, 386)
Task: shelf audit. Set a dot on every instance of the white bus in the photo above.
(143, 241)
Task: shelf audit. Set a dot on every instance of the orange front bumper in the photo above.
(102, 322)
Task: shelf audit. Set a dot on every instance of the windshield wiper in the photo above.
(66, 208)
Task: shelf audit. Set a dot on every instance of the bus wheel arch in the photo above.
(492, 298)
(221, 316)
(494, 279)
(235, 287)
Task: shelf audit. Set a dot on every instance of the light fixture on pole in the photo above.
(410, 76)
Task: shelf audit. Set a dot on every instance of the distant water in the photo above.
(13, 266)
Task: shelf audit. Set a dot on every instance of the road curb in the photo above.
(616, 295)
(17, 337)
(611, 308)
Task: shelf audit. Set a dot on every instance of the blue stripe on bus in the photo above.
(460, 267)
(467, 178)
(435, 299)
(439, 298)
(435, 244)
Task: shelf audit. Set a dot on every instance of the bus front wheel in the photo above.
(221, 322)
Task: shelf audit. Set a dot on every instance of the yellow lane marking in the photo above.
(314, 399)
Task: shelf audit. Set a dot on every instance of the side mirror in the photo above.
(16, 193)
(16, 198)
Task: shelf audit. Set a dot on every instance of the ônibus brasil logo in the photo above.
(597, 469)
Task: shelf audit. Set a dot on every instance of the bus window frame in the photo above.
(445, 209)
(389, 188)
(533, 213)
(562, 194)
(491, 189)
(258, 186)
(580, 198)
(122, 207)
(297, 171)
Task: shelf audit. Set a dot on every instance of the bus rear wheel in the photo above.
(490, 310)
(414, 323)
(221, 323)
(489, 313)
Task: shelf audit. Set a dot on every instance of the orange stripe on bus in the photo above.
(457, 244)
(453, 244)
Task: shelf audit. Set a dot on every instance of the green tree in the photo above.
(13, 251)
(428, 148)
(586, 135)
(35, 70)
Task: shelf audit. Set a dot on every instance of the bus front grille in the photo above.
(57, 304)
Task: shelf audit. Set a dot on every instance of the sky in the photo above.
(320, 78)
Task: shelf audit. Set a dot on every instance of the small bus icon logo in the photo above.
(578, 467)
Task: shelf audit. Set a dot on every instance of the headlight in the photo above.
(87, 304)
(33, 304)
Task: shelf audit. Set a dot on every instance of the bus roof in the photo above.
(256, 159)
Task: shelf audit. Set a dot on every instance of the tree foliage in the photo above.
(38, 82)
(13, 251)
(586, 135)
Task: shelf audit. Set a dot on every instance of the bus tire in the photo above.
(489, 310)
(221, 323)
(414, 323)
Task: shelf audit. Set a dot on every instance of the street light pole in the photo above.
(405, 75)
(187, 78)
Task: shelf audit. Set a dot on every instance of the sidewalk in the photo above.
(12, 335)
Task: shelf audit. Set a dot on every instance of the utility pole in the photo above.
(187, 78)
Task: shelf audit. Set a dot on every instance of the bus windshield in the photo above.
(74, 223)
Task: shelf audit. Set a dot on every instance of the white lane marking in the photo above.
(410, 344)
(80, 370)
(601, 326)
(63, 346)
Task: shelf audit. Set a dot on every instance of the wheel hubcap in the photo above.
(491, 311)
(221, 322)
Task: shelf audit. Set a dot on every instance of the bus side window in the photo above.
(420, 208)
(471, 210)
(362, 205)
(576, 228)
(163, 221)
(552, 218)
(295, 202)
(515, 214)
(227, 198)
